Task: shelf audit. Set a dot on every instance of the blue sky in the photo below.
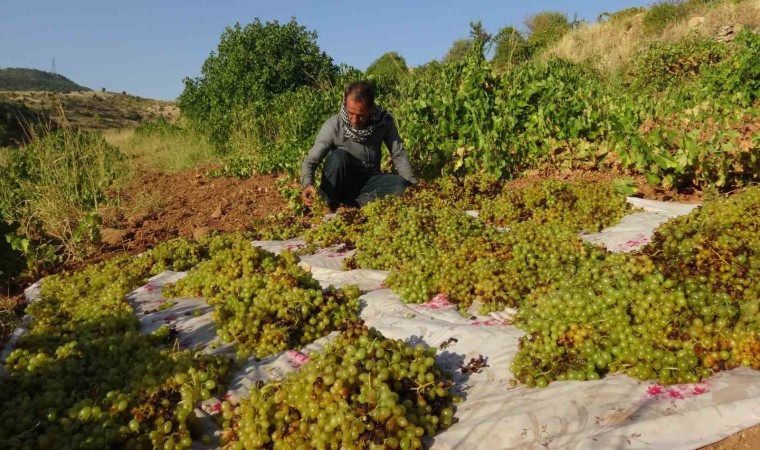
(146, 47)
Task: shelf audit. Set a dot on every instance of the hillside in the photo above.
(93, 110)
(18, 79)
(611, 43)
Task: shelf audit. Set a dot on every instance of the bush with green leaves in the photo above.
(387, 71)
(662, 14)
(252, 63)
(665, 63)
(459, 49)
(546, 27)
(447, 114)
(738, 76)
(273, 135)
(511, 48)
(11, 261)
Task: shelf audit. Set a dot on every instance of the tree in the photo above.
(252, 64)
(458, 50)
(390, 65)
(511, 48)
(546, 27)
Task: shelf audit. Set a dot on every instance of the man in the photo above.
(351, 141)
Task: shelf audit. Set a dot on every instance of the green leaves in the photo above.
(252, 63)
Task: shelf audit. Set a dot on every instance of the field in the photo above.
(535, 131)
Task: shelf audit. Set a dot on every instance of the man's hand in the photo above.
(308, 195)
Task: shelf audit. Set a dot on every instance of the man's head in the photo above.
(359, 99)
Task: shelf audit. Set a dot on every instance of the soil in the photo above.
(155, 207)
(748, 439)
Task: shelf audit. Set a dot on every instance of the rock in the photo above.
(727, 33)
(217, 212)
(200, 232)
(112, 236)
(696, 21)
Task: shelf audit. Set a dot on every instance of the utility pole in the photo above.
(53, 64)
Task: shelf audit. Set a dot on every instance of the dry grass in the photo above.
(166, 153)
(10, 316)
(609, 46)
(146, 203)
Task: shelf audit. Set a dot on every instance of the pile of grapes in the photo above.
(685, 306)
(266, 302)
(84, 377)
(432, 248)
(363, 391)
(581, 207)
(495, 269)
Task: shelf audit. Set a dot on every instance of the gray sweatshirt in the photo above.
(332, 136)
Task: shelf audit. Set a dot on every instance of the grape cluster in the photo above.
(290, 223)
(266, 302)
(437, 249)
(495, 269)
(395, 233)
(363, 391)
(717, 241)
(341, 230)
(682, 308)
(580, 207)
(84, 377)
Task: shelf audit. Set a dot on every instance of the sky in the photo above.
(147, 47)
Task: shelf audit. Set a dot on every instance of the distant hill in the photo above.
(91, 110)
(17, 79)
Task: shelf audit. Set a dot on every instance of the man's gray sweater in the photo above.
(332, 136)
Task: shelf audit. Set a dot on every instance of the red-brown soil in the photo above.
(156, 207)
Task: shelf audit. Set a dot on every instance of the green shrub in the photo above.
(661, 14)
(739, 75)
(713, 143)
(273, 136)
(387, 71)
(158, 127)
(11, 261)
(546, 28)
(252, 63)
(551, 107)
(446, 115)
(511, 48)
(666, 63)
(620, 16)
(458, 50)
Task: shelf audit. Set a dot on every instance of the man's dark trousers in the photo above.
(345, 181)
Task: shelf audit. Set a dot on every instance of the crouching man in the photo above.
(349, 142)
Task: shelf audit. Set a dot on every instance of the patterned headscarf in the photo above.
(377, 118)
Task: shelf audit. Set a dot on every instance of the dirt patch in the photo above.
(157, 206)
(748, 439)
